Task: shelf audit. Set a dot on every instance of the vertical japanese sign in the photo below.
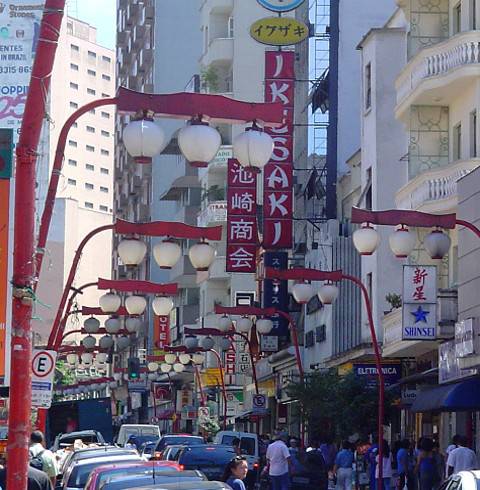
(230, 365)
(419, 302)
(242, 233)
(278, 173)
(161, 333)
(19, 30)
(275, 293)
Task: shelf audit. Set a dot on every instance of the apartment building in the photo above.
(83, 71)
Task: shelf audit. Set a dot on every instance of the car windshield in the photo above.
(179, 440)
(81, 472)
(206, 456)
(69, 440)
(120, 483)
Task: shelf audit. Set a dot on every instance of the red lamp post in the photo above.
(299, 274)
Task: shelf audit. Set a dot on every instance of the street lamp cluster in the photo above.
(198, 142)
(175, 363)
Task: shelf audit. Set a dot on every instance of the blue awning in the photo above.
(455, 397)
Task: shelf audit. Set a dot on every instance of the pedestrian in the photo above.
(236, 446)
(370, 458)
(439, 461)
(386, 466)
(453, 445)
(426, 469)
(235, 472)
(462, 458)
(343, 467)
(329, 452)
(402, 463)
(41, 458)
(36, 479)
(294, 450)
(279, 463)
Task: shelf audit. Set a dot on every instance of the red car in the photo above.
(101, 474)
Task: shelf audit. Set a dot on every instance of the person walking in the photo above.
(426, 468)
(462, 458)
(402, 464)
(235, 472)
(36, 479)
(279, 463)
(387, 468)
(343, 467)
(41, 458)
(294, 450)
(329, 452)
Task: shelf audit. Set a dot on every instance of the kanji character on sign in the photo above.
(241, 258)
(419, 276)
(241, 231)
(419, 294)
(240, 176)
(244, 202)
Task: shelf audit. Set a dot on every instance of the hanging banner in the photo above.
(278, 173)
(279, 31)
(242, 232)
(161, 333)
(419, 310)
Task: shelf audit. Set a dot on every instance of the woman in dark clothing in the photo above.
(426, 467)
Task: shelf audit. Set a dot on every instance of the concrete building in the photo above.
(83, 71)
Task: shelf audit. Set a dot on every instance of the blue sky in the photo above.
(100, 14)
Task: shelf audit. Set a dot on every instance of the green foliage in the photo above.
(64, 375)
(213, 193)
(209, 78)
(338, 406)
(394, 299)
(209, 425)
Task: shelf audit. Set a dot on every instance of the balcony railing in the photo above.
(435, 190)
(215, 212)
(462, 50)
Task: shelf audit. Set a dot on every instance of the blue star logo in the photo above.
(420, 315)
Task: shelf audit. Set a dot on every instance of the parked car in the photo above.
(157, 480)
(249, 445)
(86, 436)
(138, 430)
(466, 480)
(131, 468)
(77, 474)
(170, 453)
(210, 459)
(203, 485)
(176, 439)
(147, 449)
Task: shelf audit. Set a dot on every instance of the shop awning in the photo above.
(455, 397)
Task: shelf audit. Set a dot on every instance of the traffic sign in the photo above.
(43, 373)
(203, 412)
(259, 402)
(280, 5)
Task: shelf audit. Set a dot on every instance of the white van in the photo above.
(127, 430)
(248, 445)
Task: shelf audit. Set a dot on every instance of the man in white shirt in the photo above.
(37, 450)
(462, 458)
(279, 462)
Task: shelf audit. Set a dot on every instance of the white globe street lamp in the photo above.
(224, 323)
(110, 302)
(402, 242)
(101, 357)
(303, 292)
(437, 244)
(178, 367)
(253, 148)
(244, 324)
(106, 342)
(165, 368)
(162, 306)
(170, 358)
(131, 251)
(117, 376)
(198, 358)
(184, 358)
(133, 324)
(328, 293)
(153, 366)
(191, 342)
(143, 139)
(202, 255)
(123, 342)
(87, 358)
(135, 305)
(366, 239)
(113, 325)
(264, 326)
(72, 359)
(199, 143)
(89, 342)
(207, 343)
(91, 325)
(225, 343)
(167, 253)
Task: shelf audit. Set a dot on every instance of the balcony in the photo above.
(217, 5)
(439, 73)
(220, 50)
(214, 213)
(435, 191)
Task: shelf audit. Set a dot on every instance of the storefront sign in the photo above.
(230, 364)
(448, 364)
(184, 399)
(466, 335)
(419, 302)
(161, 392)
(242, 233)
(221, 158)
(269, 343)
(161, 333)
(280, 5)
(275, 293)
(409, 396)
(279, 31)
(392, 372)
(278, 173)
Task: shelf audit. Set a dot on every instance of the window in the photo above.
(106, 77)
(74, 47)
(90, 148)
(73, 67)
(105, 95)
(473, 15)
(89, 205)
(91, 111)
(230, 27)
(106, 59)
(457, 142)
(92, 55)
(368, 86)
(90, 167)
(104, 190)
(75, 125)
(370, 287)
(473, 134)
(103, 208)
(368, 189)
(105, 115)
(90, 129)
(104, 152)
(73, 105)
(91, 91)
(72, 143)
(89, 186)
(74, 86)
(72, 182)
(105, 133)
(457, 18)
(104, 171)
(72, 163)
(69, 28)
(92, 73)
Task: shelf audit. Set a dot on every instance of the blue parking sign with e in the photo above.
(280, 5)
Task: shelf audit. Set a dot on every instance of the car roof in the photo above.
(199, 485)
(209, 447)
(138, 425)
(89, 432)
(110, 459)
(171, 465)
